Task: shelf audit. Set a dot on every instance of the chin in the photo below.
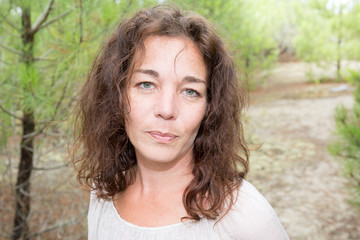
(161, 156)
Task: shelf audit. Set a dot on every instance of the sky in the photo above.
(336, 5)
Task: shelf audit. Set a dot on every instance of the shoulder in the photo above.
(251, 217)
(99, 210)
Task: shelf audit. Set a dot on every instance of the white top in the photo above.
(250, 218)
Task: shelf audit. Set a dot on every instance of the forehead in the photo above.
(157, 51)
(152, 43)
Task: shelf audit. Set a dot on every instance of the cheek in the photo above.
(134, 109)
(194, 119)
(139, 114)
(131, 117)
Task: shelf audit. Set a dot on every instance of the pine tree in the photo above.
(347, 143)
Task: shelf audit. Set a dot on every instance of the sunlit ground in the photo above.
(293, 119)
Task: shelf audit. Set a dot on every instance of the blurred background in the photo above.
(299, 59)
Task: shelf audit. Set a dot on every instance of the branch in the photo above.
(62, 97)
(42, 17)
(71, 221)
(55, 19)
(10, 23)
(9, 113)
(47, 52)
(128, 6)
(10, 49)
(52, 134)
(5, 235)
(55, 111)
(9, 32)
(50, 150)
(51, 168)
(7, 63)
(44, 59)
(80, 23)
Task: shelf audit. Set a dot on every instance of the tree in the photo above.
(346, 143)
(47, 47)
(325, 33)
(29, 80)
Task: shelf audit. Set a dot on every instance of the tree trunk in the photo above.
(338, 70)
(22, 188)
(338, 59)
(339, 42)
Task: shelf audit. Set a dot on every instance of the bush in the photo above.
(346, 145)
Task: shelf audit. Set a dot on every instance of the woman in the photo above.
(162, 143)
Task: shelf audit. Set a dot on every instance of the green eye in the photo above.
(146, 85)
(190, 92)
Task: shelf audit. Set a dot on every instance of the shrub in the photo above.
(346, 144)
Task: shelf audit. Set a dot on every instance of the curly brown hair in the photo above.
(106, 157)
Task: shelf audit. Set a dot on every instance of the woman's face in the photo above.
(167, 96)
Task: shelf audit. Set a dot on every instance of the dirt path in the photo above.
(293, 169)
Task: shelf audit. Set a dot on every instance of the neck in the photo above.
(163, 177)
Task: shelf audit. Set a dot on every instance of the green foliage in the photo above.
(40, 77)
(347, 144)
(63, 52)
(326, 33)
(317, 49)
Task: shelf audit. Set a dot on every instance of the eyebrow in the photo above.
(193, 80)
(148, 72)
(155, 74)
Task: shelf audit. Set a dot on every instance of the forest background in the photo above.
(48, 46)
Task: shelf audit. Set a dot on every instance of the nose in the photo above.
(166, 105)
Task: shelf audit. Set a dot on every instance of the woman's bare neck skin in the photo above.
(156, 178)
(155, 198)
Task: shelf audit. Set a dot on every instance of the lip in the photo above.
(161, 137)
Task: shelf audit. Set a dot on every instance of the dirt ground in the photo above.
(293, 119)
